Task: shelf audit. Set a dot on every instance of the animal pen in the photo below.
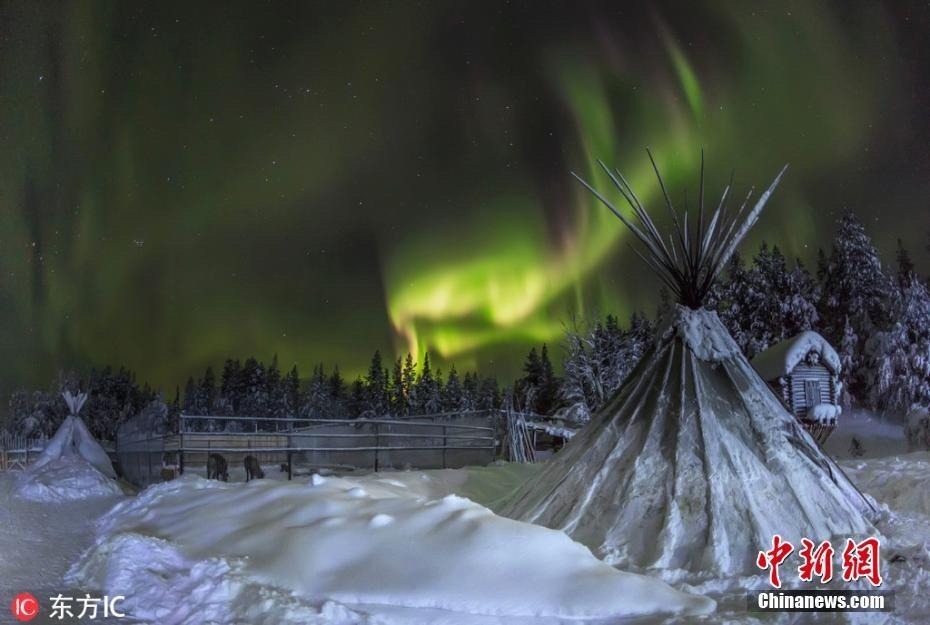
(295, 445)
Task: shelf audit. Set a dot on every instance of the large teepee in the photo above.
(695, 464)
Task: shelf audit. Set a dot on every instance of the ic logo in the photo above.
(25, 607)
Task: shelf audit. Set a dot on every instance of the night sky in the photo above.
(181, 182)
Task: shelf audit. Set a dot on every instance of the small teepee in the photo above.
(74, 439)
(694, 464)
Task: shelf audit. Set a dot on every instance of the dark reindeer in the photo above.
(217, 469)
(253, 470)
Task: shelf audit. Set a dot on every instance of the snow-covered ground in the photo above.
(392, 548)
(40, 540)
(878, 437)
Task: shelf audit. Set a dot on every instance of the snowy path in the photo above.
(38, 543)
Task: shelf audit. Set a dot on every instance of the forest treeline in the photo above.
(877, 318)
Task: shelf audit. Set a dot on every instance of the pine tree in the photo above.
(397, 395)
(318, 401)
(357, 398)
(255, 402)
(854, 299)
(470, 391)
(548, 389)
(528, 388)
(906, 269)
(897, 369)
(338, 396)
(377, 398)
(489, 394)
(292, 389)
(734, 299)
(232, 384)
(190, 397)
(452, 392)
(174, 410)
(599, 357)
(207, 394)
(409, 377)
(428, 397)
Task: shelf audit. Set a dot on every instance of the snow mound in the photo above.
(900, 482)
(66, 478)
(824, 413)
(335, 541)
(702, 331)
(781, 358)
(171, 588)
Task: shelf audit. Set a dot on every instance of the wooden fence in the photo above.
(16, 452)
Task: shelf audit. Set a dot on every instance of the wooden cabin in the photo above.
(804, 372)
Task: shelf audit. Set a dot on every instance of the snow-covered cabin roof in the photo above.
(783, 357)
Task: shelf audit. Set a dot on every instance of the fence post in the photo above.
(377, 443)
(181, 444)
(290, 470)
(444, 446)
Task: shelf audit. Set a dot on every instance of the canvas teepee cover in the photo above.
(694, 464)
(74, 439)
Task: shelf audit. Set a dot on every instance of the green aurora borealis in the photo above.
(185, 182)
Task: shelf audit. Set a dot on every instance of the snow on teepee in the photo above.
(694, 464)
(74, 439)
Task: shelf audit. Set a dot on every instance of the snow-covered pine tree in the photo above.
(452, 393)
(636, 341)
(580, 379)
(766, 302)
(155, 415)
(906, 268)
(232, 384)
(338, 395)
(357, 398)
(734, 297)
(428, 396)
(377, 398)
(489, 394)
(190, 397)
(527, 388)
(397, 396)
(207, 391)
(410, 385)
(317, 401)
(854, 300)
(599, 357)
(538, 390)
(292, 390)
(254, 402)
(470, 391)
(896, 371)
(548, 396)
(20, 412)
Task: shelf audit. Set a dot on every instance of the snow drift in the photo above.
(65, 479)
(694, 465)
(354, 543)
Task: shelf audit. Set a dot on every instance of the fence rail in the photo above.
(16, 452)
